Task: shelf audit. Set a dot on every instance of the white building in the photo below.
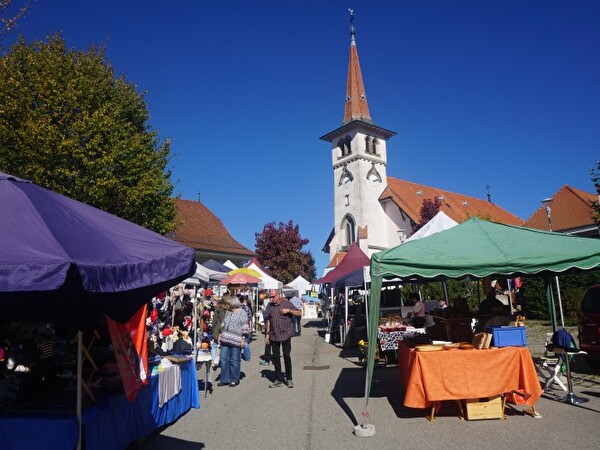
(376, 210)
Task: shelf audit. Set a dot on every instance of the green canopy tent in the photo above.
(476, 248)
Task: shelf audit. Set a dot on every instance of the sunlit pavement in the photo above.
(327, 401)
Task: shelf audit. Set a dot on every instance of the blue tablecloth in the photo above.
(115, 423)
(111, 424)
(49, 432)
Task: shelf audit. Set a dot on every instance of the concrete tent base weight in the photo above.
(366, 430)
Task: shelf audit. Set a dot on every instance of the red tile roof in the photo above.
(570, 208)
(356, 107)
(409, 197)
(336, 260)
(200, 229)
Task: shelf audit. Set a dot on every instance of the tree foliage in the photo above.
(69, 124)
(596, 180)
(429, 208)
(11, 12)
(572, 287)
(280, 249)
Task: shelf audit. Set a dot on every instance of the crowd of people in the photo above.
(226, 327)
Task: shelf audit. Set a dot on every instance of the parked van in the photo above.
(589, 325)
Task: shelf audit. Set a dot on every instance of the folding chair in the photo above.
(552, 374)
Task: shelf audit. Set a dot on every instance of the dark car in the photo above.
(589, 325)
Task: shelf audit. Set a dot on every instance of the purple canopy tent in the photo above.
(216, 266)
(62, 260)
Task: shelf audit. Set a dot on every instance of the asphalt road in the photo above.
(327, 401)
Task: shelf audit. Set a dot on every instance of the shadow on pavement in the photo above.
(158, 441)
(351, 384)
(313, 324)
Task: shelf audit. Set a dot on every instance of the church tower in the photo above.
(359, 159)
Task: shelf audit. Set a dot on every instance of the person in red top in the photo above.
(278, 318)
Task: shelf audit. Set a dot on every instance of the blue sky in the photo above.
(498, 93)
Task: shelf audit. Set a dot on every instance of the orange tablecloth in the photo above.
(465, 374)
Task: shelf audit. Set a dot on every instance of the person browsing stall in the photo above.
(232, 339)
(278, 318)
(418, 314)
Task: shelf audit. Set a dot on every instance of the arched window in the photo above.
(342, 147)
(347, 149)
(368, 144)
(375, 145)
(349, 230)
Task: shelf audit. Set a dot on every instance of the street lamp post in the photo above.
(547, 202)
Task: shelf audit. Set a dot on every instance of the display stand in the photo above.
(204, 358)
(570, 398)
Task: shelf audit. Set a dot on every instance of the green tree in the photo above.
(280, 249)
(11, 13)
(69, 124)
(572, 287)
(596, 180)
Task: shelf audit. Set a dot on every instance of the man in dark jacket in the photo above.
(278, 319)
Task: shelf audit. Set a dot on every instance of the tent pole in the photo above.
(345, 314)
(366, 297)
(550, 300)
(79, 385)
(560, 308)
(195, 324)
(445, 289)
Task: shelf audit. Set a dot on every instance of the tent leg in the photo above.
(550, 300)
(345, 313)
(79, 384)
(560, 308)
(195, 324)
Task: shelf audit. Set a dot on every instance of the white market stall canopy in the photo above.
(267, 281)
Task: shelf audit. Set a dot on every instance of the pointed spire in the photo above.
(356, 98)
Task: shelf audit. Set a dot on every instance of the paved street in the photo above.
(327, 400)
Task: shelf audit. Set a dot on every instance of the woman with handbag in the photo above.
(232, 341)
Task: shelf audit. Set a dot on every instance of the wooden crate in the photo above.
(484, 408)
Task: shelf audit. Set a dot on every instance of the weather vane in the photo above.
(352, 30)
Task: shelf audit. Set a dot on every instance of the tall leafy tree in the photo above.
(429, 208)
(11, 12)
(280, 249)
(68, 123)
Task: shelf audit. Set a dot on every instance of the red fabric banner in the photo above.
(131, 351)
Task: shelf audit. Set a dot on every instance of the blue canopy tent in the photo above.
(64, 261)
(61, 259)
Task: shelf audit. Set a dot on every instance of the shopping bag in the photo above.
(246, 352)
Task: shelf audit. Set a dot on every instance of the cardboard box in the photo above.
(484, 408)
(482, 340)
(508, 336)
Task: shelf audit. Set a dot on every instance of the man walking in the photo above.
(278, 318)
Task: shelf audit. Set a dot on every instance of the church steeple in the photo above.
(356, 107)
